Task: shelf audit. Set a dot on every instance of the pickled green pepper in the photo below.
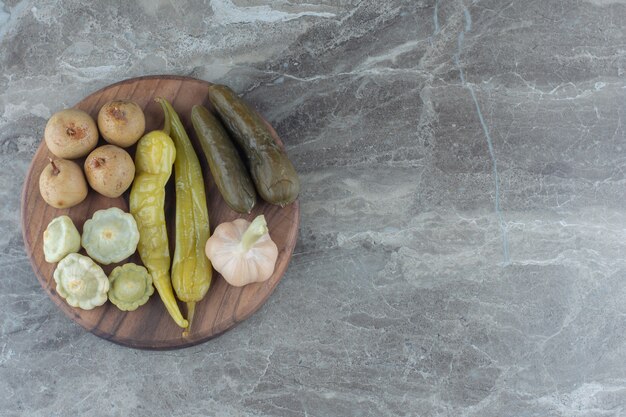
(191, 270)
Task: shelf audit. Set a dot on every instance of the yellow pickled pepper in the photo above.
(154, 158)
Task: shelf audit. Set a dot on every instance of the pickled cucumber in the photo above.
(274, 175)
(229, 172)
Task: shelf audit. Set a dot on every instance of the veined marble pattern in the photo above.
(461, 250)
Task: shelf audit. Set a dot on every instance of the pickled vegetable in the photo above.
(229, 172)
(243, 252)
(273, 173)
(154, 157)
(191, 270)
(110, 236)
(130, 286)
(81, 282)
(60, 239)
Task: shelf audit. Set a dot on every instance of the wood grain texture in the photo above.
(150, 327)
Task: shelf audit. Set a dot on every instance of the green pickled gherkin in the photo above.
(274, 175)
(230, 174)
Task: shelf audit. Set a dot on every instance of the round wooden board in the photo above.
(150, 327)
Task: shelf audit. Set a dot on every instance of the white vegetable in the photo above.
(60, 239)
(242, 252)
(81, 282)
(110, 236)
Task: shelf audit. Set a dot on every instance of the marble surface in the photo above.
(461, 250)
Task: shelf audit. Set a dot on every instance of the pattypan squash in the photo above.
(110, 236)
(130, 286)
(60, 239)
(242, 252)
(81, 281)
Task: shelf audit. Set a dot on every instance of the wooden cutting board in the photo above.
(150, 327)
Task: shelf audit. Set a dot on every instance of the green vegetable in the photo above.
(191, 270)
(110, 236)
(230, 174)
(154, 157)
(273, 173)
(81, 282)
(130, 286)
(60, 239)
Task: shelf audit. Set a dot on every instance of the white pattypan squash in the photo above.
(60, 239)
(110, 235)
(81, 281)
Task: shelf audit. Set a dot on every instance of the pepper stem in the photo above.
(166, 120)
(257, 228)
(191, 309)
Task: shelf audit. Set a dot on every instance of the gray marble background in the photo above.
(461, 250)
